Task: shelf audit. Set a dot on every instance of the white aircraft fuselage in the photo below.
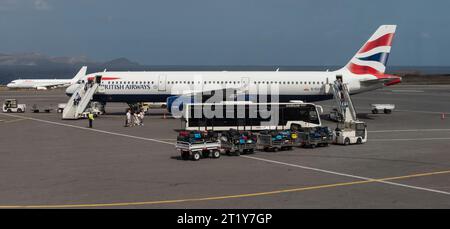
(364, 72)
(44, 84)
(134, 87)
(40, 84)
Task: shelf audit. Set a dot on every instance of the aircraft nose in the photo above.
(10, 85)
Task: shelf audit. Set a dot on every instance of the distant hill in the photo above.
(121, 62)
(37, 59)
(36, 65)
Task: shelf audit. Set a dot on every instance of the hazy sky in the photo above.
(226, 32)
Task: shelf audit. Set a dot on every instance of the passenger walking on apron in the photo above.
(141, 116)
(128, 118)
(91, 119)
(136, 119)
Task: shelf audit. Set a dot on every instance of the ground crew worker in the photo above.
(91, 119)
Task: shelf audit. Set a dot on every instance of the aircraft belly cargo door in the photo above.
(162, 83)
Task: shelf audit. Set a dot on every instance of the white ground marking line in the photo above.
(89, 129)
(401, 110)
(348, 175)
(248, 157)
(413, 91)
(408, 139)
(14, 120)
(425, 112)
(409, 130)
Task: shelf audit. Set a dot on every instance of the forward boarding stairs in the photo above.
(80, 100)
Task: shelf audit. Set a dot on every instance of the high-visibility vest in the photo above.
(91, 116)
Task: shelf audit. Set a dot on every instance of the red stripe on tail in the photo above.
(385, 40)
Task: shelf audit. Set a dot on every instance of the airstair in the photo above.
(344, 102)
(80, 100)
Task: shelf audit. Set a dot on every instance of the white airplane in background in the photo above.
(364, 72)
(44, 84)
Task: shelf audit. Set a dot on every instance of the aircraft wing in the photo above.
(50, 85)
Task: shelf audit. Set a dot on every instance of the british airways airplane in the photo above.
(364, 72)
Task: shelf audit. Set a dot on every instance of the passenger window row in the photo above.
(219, 82)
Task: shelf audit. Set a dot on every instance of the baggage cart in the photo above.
(274, 141)
(385, 108)
(198, 150)
(234, 142)
(318, 136)
(196, 144)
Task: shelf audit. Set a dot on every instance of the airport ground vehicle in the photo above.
(94, 108)
(250, 116)
(35, 109)
(196, 145)
(316, 136)
(85, 114)
(350, 130)
(235, 142)
(386, 108)
(351, 133)
(12, 106)
(335, 115)
(277, 140)
(61, 107)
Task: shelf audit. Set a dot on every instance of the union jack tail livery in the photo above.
(369, 63)
(373, 55)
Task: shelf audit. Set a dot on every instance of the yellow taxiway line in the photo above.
(228, 196)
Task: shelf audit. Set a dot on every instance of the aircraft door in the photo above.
(326, 87)
(98, 79)
(162, 83)
(245, 82)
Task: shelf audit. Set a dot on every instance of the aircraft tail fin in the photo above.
(80, 74)
(373, 55)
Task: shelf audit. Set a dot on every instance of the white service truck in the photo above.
(347, 133)
(12, 106)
